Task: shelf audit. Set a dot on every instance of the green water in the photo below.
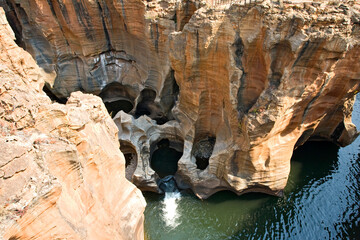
(321, 201)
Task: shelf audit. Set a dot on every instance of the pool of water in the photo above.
(321, 201)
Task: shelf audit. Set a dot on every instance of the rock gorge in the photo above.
(232, 88)
(62, 175)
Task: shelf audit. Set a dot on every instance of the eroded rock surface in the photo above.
(235, 88)
(62, 175)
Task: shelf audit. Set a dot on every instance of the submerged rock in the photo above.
(168, 184)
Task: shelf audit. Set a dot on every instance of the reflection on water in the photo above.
(321, 202)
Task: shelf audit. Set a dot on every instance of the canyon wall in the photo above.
(233, 88)
(62, 175)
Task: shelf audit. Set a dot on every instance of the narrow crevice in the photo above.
(305, 53)
(197, 45)
(238, 47)
(157, 36)
(169, 95)
(14, 22)
(238, 52)
(147, 106)
(146, 103)
(338, 131)
(52, 96)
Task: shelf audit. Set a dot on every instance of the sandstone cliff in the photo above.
(62, 175)
(234, 88)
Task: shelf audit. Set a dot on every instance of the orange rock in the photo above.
(62, 174)
(256, 79)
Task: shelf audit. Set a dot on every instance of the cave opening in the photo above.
(147, 106)
(14, 13)
(130, 158)
(165, 157)
(116, 106)
(338, 131)
(202, 151)
(117, 97)
(169, 95)
(52, 96)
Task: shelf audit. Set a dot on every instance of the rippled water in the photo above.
(170, 213)
(321, 202)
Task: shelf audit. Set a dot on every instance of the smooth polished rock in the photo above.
(260, 79)
(62, 175)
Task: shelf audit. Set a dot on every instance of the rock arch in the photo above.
(118, 97)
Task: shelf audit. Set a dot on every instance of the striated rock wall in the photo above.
(62, 175)
(235, 88)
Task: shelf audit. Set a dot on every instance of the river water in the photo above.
(321, 201)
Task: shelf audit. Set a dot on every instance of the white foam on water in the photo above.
(170, 213)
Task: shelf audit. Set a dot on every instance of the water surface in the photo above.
(321, 201)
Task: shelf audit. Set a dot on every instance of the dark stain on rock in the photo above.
(124, 15)
(83, 18)
(197, 44)
(75, 165)
(79, 84)
(64, 11)
(104, 14)
(302, 52)
(157, 38)
(184, 14)
(238, 45)
(51, 7)
(52, 96)
(14, 237)
(14, 22)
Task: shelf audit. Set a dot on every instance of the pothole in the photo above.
(165, 157)
(202, 151)
(117, 97)
(130, 159)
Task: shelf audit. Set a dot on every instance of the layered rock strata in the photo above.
(234, 88)
(62, 175)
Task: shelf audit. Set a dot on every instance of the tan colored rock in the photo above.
(244, 85)
(62, 175)
(293, 84)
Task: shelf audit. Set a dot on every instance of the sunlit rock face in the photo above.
(62, 175)
(233, 89)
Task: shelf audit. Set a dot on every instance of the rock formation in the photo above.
(62, 175)
(235, 88)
